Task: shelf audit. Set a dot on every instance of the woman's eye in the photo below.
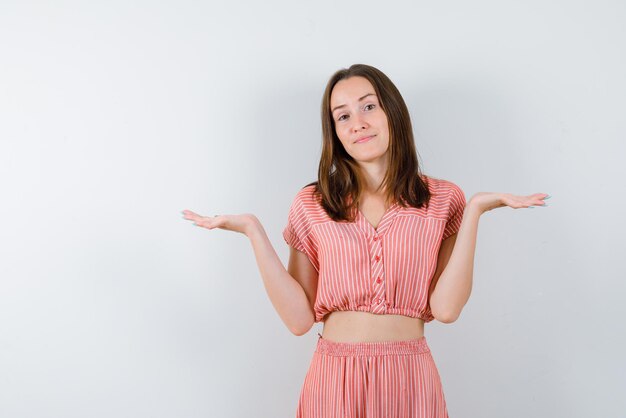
(373, 105)
(339, 118)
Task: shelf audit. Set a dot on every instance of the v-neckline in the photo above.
(382, 219)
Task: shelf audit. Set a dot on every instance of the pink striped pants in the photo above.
(388, 379)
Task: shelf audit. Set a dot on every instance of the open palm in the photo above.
(236, 223)
(489, 200)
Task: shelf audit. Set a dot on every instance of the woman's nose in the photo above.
(359, 124)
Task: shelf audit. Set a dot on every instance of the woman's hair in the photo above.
(340, 179)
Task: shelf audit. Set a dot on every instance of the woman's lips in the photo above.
(360, 141)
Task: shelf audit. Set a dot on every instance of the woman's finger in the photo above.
(192, 215)
(204, 222)
(536, 200)
(189, 214)
(518, 202)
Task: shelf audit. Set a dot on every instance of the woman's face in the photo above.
(357, 114)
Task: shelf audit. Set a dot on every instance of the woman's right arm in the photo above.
(286, 293)
(292, 293)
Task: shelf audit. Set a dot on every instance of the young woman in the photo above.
(377, 249)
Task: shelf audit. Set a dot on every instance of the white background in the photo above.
(115, 116)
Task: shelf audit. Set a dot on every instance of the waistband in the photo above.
(371, 348)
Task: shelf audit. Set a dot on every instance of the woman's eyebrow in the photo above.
(343, 105)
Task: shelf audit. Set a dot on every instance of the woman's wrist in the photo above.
(473, 207)
(253, 226)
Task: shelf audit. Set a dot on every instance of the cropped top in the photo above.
(382, 270)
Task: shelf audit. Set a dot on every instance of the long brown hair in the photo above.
(340, 180)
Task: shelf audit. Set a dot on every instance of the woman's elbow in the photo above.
(298, 332)
(302, 328)
(446, 317)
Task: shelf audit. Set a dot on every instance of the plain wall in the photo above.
(115, 116)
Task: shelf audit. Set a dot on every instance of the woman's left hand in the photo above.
(485, 201)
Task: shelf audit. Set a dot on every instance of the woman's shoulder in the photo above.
(307, 197)
(307, 192)
(441, 187)
(307, 205)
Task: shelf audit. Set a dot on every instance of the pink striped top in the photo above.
(383, 270)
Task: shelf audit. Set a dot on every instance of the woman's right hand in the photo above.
(238, 223)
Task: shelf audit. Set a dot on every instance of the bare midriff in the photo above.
(357, 326)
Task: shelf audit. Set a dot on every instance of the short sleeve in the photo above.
(456, 207)
(297, 233)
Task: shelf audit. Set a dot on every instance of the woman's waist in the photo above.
(358, 326)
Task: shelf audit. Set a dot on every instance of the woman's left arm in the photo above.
(452, 284)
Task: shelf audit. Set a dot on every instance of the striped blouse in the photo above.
(382, 270)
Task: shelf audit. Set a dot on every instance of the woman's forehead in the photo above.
(351, 90)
